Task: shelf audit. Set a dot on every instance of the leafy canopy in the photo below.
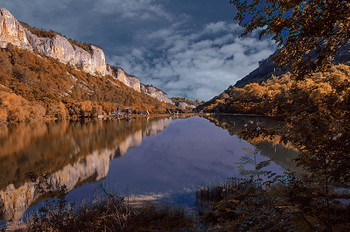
(308, 32)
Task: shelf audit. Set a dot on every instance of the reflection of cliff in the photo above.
(272, 148)
(72, 153)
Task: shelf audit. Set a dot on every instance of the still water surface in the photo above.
(167, 157)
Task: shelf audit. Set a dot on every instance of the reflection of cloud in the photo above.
(178, 160)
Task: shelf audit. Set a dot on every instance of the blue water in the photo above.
(172, 161)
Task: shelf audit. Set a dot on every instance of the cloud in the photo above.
(185, 48)
(132, 9)
(200, 64)
(80, 19)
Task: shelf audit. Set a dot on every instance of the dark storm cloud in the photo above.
(187, 48)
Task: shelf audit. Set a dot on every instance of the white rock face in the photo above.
(11, 31)
(120, 75)
(60, 48)
(156, 93)
(184, 105)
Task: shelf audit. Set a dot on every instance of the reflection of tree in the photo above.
(323, 138)
(46, 148)
(71, 154)
(308, 201)
(283, 154)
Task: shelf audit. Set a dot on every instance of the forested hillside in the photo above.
(284, 96)
(34, 86)
(267, 68)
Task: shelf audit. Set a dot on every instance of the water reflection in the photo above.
(81, 155)
(283, 154)
(72, 152)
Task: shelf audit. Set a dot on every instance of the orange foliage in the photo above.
(283, 96)
(17, 109)
(61, 90)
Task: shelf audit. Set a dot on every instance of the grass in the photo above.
(274, 203)
(111, 213)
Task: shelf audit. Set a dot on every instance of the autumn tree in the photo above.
(308, 32)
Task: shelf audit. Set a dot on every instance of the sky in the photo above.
(187, 48)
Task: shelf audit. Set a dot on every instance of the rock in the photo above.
(11, 31)
(119, 74)
(185, 106)
(156, 93)
(134, 83)
(60, 48)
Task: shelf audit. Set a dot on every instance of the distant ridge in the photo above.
(267, 68)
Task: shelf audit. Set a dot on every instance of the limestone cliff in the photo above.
(156, 93)
(11, 31)
(119, 74)
(184, 105)
(59, 47)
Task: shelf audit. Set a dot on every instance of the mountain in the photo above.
(50, 44)
(267, 68)
(43, 72)
(266, 71)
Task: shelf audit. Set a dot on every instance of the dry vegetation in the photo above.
(315, 113)
(111, 213)
(33, 87)
(283, 96)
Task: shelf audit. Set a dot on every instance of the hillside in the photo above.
(34, 86)
(267, 68)
(45, 75)
(283, 96)
(266, 72)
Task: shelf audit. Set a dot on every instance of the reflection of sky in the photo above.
(187, 154)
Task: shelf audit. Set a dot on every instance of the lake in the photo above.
(166, 158)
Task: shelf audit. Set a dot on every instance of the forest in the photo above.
(282, 96)
(33, 86)
(314, 115)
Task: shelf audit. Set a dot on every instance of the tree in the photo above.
(308, 32)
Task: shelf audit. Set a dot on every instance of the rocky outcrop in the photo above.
(11, 31)
(119, 74)
(156, 93)
(185, 105)
(60, 48)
